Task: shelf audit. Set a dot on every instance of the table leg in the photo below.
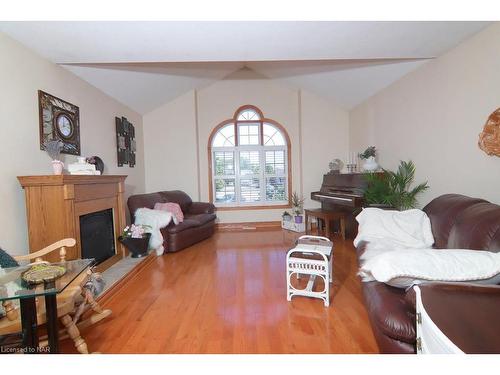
(342, 227)
(307, 221)
(29, 324)
(330, 261)
(52, 323)
(327, 227)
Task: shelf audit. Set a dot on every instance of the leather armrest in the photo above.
(201, 208)
(462, 287)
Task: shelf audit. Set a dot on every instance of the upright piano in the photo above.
(343, 192)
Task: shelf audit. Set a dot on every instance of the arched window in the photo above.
(249, 159)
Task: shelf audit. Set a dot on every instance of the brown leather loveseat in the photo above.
(457, 222)
(199, 218)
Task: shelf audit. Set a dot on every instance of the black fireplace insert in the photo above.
(97, 235)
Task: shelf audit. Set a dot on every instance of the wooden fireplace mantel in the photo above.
(54, 204)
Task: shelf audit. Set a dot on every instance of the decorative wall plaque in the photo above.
(489, 139)
(125, 142)
(59, 120)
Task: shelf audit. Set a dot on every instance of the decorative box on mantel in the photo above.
(90, 209)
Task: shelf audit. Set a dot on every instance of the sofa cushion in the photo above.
(137, 201)
(390, 311)
(186, 224)
(388, 345)
(179, 197)
(173, 208)
(443, 212)
(201, 218)
(477, 228)
(191, 236)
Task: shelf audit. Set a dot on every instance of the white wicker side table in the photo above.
(312, 256)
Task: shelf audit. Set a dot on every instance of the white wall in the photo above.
(170, 152)
(22, 74)
(325, 136)
(434, 116)
(318, 126)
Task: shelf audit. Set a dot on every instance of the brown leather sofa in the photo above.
(457, 222)
(199, 218)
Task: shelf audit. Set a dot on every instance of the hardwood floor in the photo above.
(228, 295)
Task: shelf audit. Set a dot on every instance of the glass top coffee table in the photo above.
(12, 286)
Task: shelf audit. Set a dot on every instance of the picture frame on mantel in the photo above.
(59, 120)
(125, 142)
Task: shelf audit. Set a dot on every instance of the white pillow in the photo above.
(404, 268)
(397, 229)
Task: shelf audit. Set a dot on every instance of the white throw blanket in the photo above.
(407, 267)
(156, 220)
(393, 230)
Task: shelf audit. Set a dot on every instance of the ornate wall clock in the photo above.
(59, 120)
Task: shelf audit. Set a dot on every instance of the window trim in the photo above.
(261, 122)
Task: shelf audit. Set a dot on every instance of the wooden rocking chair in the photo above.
(72, 303)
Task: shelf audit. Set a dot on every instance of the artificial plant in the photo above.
(394, 188)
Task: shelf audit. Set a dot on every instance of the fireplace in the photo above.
(97, 235)
(56, 206)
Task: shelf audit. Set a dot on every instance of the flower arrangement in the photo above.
(134, 231)
(368, 153)
(136, 239)
(54, 148)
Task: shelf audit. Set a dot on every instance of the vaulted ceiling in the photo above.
(145, 64)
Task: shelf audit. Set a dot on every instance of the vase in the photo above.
(137, 246)
(370, 164)
(57, 166)
(298, 219)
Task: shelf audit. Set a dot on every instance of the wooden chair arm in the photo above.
(62, 244)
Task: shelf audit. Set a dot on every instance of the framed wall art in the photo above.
(125, 142)
(59, 120)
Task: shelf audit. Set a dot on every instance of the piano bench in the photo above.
(327, 216)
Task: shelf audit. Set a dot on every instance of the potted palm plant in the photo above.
(393, 189)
